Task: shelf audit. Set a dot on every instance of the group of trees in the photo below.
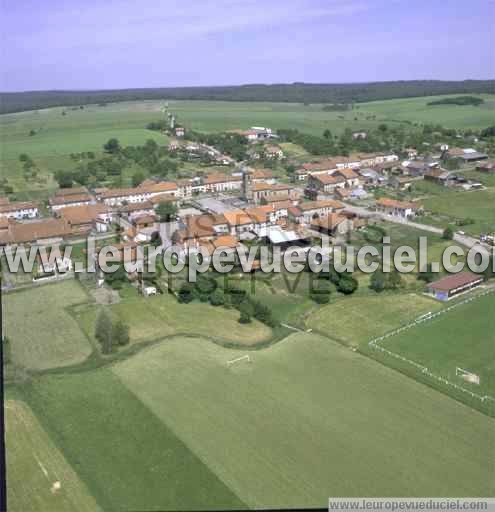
(232, 144)
(108, 169)
(381, 281)
(343, 281)
(110, 334)
(458, 100)
(207, 289)
(29, 167)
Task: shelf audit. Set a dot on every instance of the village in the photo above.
(246, 204)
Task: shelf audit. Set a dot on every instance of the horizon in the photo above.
(258, 84)
(122, 45)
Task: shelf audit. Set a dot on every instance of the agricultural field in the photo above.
(462, 337)
(355, 320)
(128, 457)
(35, 464)
(41, 331)
(57, 135)
(417, 110)
(161, 316)
(452, 205)
(305, 419)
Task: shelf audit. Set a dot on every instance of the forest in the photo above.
(295, 93)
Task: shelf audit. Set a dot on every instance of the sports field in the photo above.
(34, 465)
(41, 331)
(161, 316)
(307, 419)
(356, 320)
(463, 337)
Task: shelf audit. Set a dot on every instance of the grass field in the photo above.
(58, 135)
(34, 464)
(308, 419)
(42, 333)
(476, 205)
(355, 320)
(161, 316)
(463, 337)
(128, 457)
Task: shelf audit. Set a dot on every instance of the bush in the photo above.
(217, 298)
(448, 233)
(186, 293)
(321, 294)
(347, 284)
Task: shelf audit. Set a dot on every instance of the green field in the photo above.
(356, 320)
(308, 418)
(34, 464)
(463, 337)
(476, 205)
(128, 458)
(41, 331)
(57, 135)
(162, 316)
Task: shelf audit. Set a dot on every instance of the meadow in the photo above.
(125, 454)
(307, 418)
(463, 337)
(161, 316)
(41, 331)
(34, 464)
(355, 320)
(59, 131)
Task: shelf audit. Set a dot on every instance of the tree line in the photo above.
(299, 92)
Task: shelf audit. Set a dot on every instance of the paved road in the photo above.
(467, 241)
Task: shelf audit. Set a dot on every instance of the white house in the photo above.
(19, 210)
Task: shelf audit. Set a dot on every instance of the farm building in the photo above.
(450, 286)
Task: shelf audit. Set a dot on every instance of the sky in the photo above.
(104, 44)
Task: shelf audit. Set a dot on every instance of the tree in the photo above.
(103, 331)
(378, 281)
(321, 294)
(112, 146)
(217, 298)
(156, 239)
(427, 275)
(137, 178)
(186, 293)
(448, 233)
(120, 333)
(166, 210)
(347, 284)
(327, 134)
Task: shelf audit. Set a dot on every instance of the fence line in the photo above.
(374, 344)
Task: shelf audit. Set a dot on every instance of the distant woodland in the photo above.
(336, 94)
(459, 100)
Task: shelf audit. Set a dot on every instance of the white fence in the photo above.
(374, 344)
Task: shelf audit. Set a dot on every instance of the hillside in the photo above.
(295, 93)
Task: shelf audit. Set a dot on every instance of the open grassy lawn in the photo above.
(463, 337)
(356, 320)
(416, 110)
(476, 205)
(308, 419)
(41, 331)
(34, 464)
(128, 458)
(161, 316)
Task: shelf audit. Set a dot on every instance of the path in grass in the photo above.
(307, 419)
(41, 331)
(355, 320)
(34, 464)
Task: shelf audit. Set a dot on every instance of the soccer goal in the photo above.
(245, 358)
(468, 376)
